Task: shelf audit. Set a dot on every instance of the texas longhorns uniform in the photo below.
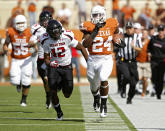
(100, 61)
(21, 64)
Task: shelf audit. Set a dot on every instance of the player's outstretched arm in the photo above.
(83, 50)
(88, 38)
(47, 58)
(5, 46)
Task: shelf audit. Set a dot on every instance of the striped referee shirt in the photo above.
(128, 53)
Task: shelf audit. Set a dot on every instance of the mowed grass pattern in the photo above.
(35, 117)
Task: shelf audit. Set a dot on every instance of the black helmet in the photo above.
(44, 17)
(54, 29)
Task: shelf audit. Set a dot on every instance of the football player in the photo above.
(21, 62)
(37, 30)
(58, 43)
(99, 34)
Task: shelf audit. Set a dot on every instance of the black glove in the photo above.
(98, 26)
(120, 45)
(96, 29)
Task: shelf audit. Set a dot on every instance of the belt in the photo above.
(67, 66)
(129, 61)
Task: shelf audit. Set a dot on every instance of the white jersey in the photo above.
(37, 30)
(60, 49)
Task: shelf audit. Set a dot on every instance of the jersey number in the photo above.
(20, 49)
(99, 44)
(58, 52)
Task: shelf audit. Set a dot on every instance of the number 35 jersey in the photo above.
(19, 43)
(59, 49)
(102, 44)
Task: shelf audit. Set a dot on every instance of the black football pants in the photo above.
(158, 70)
(130, 76)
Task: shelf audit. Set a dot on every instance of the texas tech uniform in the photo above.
(37, 30)
(20, 56)
(100, 52)
(60, 51)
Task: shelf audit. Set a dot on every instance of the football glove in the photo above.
(54, 64)
(96, 29)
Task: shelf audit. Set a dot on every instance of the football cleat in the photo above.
(18, 87)
(103, 111)
(59, 116)
(23, 104)
(48, 106)
(129, 100)
(96, 104)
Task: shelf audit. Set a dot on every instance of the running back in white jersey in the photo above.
(59, 49)
(37, 30)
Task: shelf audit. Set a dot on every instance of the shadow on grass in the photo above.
(10, 105)
(15, 112)
(45, 119)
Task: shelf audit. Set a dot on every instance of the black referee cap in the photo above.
(160, 27)
(151, 26)
(129, 25)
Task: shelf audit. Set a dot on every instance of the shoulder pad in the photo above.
(112, 22)
(69, 34)
(28, 30)
(35, 27)
(10, 30)
(43, 37)
(87, 26)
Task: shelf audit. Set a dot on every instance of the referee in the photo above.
(127, 64)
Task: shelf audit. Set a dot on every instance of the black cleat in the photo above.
(123, 95)
(48, 103)
(129, 101)
(152, 94)
(158, 97)
(59, 116)
(123, 92)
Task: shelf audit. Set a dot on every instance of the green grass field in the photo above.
(35, 117)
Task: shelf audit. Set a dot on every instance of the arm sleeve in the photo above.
(149, 46)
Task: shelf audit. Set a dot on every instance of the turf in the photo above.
(35, 117)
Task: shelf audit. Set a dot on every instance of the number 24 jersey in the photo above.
(101, 44)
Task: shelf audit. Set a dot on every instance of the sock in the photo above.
(24, 98)
(57, 108)
(103, 101)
